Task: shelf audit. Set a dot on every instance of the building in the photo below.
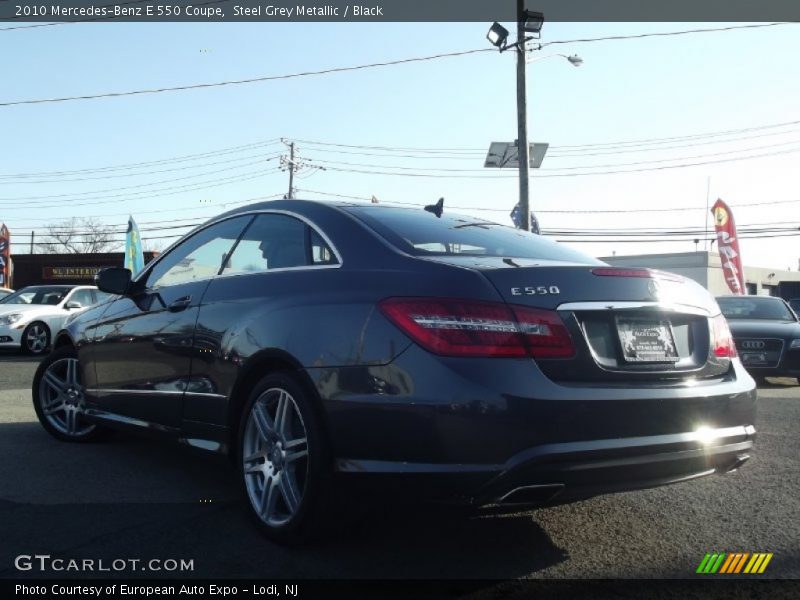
(74, 269)
(706, 269)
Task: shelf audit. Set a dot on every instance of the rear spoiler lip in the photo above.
(645, 306)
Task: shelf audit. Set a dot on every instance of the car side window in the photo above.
(82, 297)
(321, 253)
(199, 257)
(276, 242)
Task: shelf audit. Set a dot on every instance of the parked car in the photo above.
(767, 334)
(319, 343)
(4, 292)
(30, 316)
(794, 304)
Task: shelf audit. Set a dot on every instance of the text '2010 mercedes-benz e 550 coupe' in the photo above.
(321, 343)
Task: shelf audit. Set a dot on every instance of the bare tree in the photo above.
(78, 235)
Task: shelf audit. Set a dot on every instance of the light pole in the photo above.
(527, 22)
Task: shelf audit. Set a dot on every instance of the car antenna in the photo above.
(436, 208)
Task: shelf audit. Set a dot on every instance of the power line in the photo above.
(196, 86)
(260, 158)
(573, 168)
(163, 192)
(121, 167)
(136, 186)
(664, 33)
(561, 211)
(552, 175)
(568, 147)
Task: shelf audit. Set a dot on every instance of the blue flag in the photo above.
(134, 257)
(517, 219)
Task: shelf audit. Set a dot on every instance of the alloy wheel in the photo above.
(275, 457)
(62, 400)
(36, 338)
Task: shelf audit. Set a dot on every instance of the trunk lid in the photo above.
(628, 325)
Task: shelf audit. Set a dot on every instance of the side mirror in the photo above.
(114, 280)
(73, 304)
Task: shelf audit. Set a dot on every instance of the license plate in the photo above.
(750, 358)
(647, 340)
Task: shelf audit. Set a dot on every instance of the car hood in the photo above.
(764, 328)
(30, 309)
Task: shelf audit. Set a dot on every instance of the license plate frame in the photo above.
(646, 340)
(754, 358)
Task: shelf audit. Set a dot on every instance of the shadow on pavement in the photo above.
(142, 498)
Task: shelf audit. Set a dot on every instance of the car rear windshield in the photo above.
(771, 309)
(421, 233)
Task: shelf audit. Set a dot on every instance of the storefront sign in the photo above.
(88, 273)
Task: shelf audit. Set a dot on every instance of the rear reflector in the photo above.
(455, 327)
(722, 340)
(635, 272)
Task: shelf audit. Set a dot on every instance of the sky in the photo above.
(641, 89)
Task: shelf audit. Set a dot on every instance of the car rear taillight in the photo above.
(456, 327)
(722, 340)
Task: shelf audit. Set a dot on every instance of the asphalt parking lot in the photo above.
(130, 497)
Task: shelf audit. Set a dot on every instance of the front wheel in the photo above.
(58, 398)
(36, 339)
(283, 458)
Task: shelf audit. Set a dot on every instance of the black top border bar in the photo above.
(376, 11)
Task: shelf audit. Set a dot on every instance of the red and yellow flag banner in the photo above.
(728, 244)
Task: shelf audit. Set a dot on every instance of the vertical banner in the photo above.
(134, 257)
(728, 245)
(5, 256)
(517, 220)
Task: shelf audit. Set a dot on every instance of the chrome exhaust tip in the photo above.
(532, 494)
(736, 463)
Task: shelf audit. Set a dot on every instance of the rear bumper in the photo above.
(555, 472)
(478, 429)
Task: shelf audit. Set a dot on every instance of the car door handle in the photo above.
(180, 304)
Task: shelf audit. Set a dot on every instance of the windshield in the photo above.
(37, 295)
(420, 233)
(749, 307)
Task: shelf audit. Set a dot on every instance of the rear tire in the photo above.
(36, 339)
(284, 460)
(59, 400)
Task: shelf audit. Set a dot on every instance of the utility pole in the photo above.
(31, 242)
(522, 124)
(291, 171)
(293, 164)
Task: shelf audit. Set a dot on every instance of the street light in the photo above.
(532, 22)
(527, 22)
(574, 59)
(498, 35)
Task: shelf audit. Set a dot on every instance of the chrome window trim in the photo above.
(652, 306)
(202, 228)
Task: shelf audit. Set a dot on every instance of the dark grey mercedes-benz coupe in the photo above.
(321, 343)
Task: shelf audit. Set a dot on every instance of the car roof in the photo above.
(57, 286)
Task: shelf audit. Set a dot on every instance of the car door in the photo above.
(142, 344)
(82, 296)
(264, 270)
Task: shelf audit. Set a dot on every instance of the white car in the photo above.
(31, 316)
(5, 292)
